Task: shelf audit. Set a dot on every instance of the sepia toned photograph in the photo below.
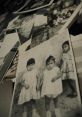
(41, 58)
(46, 81)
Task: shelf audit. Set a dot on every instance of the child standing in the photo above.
(28, 94)
(67, 69)
(52, 85)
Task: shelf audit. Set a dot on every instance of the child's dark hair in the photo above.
(31, 61)
(65, 43)
(50, 58)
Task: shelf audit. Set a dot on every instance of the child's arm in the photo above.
(39, 81)
(64, 66)
(59, 74)
(24, 84)
(21, 80)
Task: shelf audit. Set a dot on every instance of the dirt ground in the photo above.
(69, 107)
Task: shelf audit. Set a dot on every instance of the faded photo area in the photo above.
(46, 81)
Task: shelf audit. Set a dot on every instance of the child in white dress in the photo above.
(28, 94)
(52, 85)
(68, 70)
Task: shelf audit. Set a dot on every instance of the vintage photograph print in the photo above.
(46, 81)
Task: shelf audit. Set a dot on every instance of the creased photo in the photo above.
(46, 81)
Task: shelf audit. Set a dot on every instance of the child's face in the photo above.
(66, 48)
(30, 67)
(50, 65)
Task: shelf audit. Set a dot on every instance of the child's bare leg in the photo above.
(47, 105)
(33, 108)
(72, 86)
(56, 109)
(35, 113)
(52, 108)
(27, 110)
